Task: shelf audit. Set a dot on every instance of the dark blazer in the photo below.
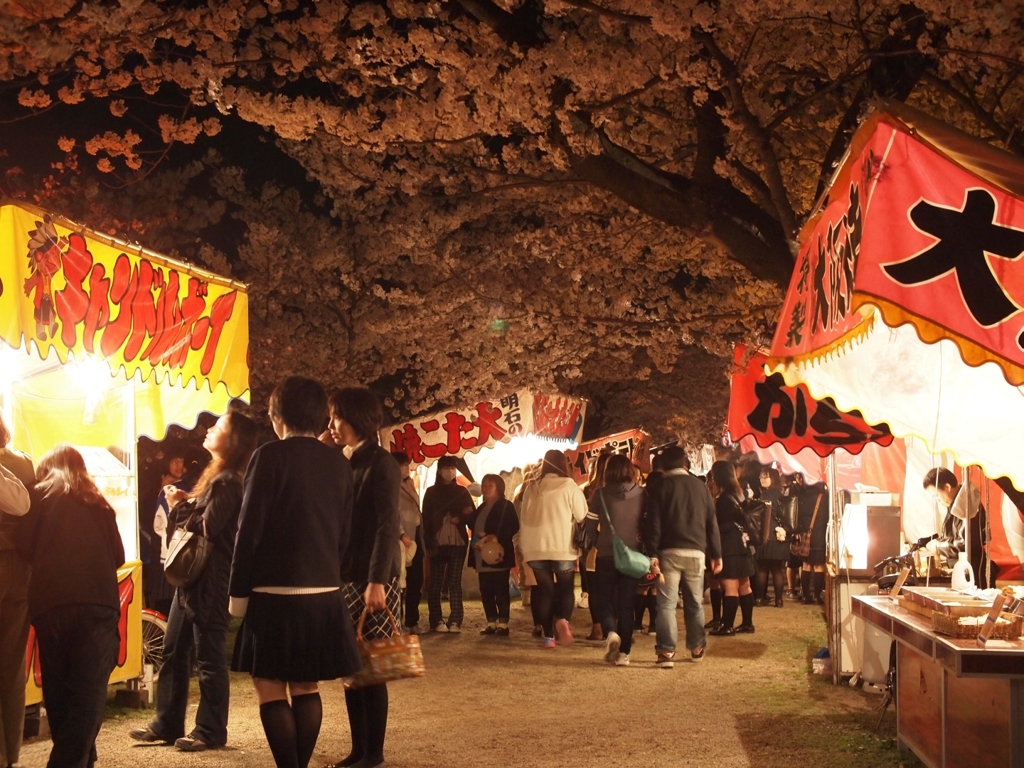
(75, 550)
(730, 526)
(293, 529)
(206, 601)
(808, 498)
(502, 521)
(373, 554)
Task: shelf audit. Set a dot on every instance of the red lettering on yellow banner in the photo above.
(136, 309)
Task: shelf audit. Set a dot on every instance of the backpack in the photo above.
(757, 520)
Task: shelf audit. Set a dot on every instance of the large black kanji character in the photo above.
(770, 393)
(964, 238)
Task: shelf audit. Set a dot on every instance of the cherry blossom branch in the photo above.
(761, 137)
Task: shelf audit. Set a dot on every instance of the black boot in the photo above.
(716, 610)
(817, 587)
(747, 610)
(729, 606)
(805, 584)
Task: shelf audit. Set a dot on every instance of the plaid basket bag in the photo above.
(390, 658)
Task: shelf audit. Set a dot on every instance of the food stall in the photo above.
(493, 436)
(906, 304)
(634, 443)
(102, 342)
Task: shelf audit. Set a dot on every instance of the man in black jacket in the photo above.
(681, 530)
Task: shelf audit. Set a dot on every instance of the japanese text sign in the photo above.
(457, 432)
(69, 290)
(635, 443)
(922, 238)
(772, 412)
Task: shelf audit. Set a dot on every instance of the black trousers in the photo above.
(214, 683)
(613, 594)
(78, 647)
(414, 582)
(494, 595)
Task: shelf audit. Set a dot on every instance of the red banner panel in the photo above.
(773, 412)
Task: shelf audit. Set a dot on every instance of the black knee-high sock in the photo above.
(805, 584)
(308, 711)
(357, 726)
(817, 585)
(729, 605)
(716, 604)
(747, 609)
(652, 607)
(375, 702)
(279, 726)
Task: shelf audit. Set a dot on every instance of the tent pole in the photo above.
(833, 607)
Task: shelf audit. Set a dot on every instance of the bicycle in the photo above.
(154, 628)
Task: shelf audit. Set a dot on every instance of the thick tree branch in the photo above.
(521, 28)
(1012, 143)
(761, 137)
(765, 254)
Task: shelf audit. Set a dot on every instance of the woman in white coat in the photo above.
(549, 508)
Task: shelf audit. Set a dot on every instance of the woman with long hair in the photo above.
(494, 523)
(72, 542)
(549, 508)
(199, 611)
(620, 504)
(286, 572)
(772, 554)
(370, 567)
(588, 565)
(737, 561)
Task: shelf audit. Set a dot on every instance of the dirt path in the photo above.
(498, 702)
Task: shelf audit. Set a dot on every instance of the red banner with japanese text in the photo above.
(635, 443)
(467, 430)
(766, 408)
(923, 238)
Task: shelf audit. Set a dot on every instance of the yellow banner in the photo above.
(129, 629)
(66, 288)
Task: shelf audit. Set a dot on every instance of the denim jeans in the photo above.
(553, 596)
(214, 684)
(686, 573)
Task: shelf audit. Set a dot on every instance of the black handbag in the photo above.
(188, 550)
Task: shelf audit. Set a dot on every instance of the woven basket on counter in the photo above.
(1008, 627)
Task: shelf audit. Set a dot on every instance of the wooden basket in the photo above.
(1008, 627)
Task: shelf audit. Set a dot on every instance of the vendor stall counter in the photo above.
(957, 704)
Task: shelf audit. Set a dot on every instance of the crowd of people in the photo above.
(313, 531)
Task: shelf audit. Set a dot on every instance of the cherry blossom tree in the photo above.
(454, 199)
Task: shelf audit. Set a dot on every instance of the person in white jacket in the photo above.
(549, 508)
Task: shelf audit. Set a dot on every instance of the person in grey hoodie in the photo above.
(622, 501)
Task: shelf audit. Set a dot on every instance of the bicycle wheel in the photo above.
(154, 627)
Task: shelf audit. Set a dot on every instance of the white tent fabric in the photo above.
(927, 391)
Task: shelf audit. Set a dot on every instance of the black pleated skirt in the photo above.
(297, 638)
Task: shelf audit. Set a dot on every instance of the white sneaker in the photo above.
(622, 660)
(454, 628)
(583, 601)
(611, 647)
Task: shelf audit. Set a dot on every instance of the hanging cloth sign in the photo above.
(766, 408)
